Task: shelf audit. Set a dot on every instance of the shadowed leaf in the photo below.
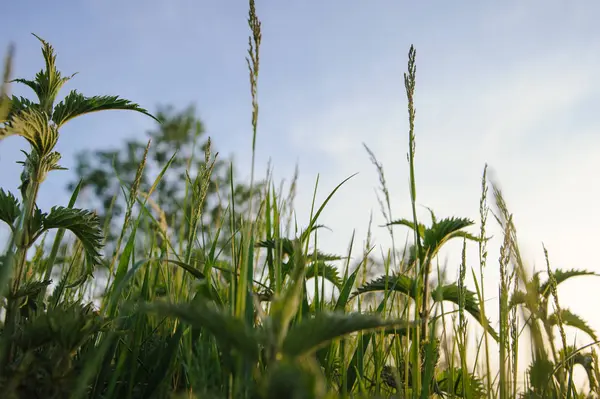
(83, 223)
(329, 272)
(407, 286)
(315, 332)
(569, 318)
(9, 208)
(451, 293)
(226, 329)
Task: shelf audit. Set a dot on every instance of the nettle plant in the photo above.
(40, 123)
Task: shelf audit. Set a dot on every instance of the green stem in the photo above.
(23, 244)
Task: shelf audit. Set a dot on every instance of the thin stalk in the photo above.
(409, 83)
(483, 214)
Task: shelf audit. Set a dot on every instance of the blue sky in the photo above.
(514, 84)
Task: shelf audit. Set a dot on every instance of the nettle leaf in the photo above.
(35, 223)
(227, 329)
(325, 270)
(517, 298)
(451, 293)
(15, 106)
(34, 126)
(312, 333)
(561, 276)
(47, 82)
(410, 224)
(407, 285)
(9, 208)
(83, 223)
(399, 283)
(571, 319)
(76, 104)
(286, 245)
(31, 288)
(445, 230)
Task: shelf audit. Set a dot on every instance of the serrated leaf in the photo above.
(573, 320)
(451, 293)
(31, 288)
(312, 333)
(83, 223)
(444, 230)
(285, 307)
(34, 126)
(9, 208)
(76, 104)
(562, 276)
(47, 82)
(286, 244)
(408, 223)
(15, 105)
(517, 298)
(399, 283)
(407, 285)
(325, 270)
(226, 329)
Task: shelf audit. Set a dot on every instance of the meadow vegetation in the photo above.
(189, 284)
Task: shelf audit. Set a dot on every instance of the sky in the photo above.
(512, 84)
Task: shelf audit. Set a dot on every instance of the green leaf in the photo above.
(311, 334)
(571, 319)
(407, 285)
(30, 288)
(286, 305)
(287, 245)
(226, 329)
(324, 270)
(400, 283)
(408, 223)
(9, 208)
(34, 126)
(345, 291)
(190, 269)
(83, 223)
(562, 276)
(451, 382)
(444, 230)
(48, 82)
(76, 104)
(313, 223)
(15, 105)
(517, 298)
(451, 293)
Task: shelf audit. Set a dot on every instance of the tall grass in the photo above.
(184, 321)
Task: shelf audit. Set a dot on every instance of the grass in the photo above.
(173, 324)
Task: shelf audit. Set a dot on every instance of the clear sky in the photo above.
(514, 84)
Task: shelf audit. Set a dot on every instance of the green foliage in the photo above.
(207, 294)
(9, 208)
(84, 224)
(311, 334)
(76, 104)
